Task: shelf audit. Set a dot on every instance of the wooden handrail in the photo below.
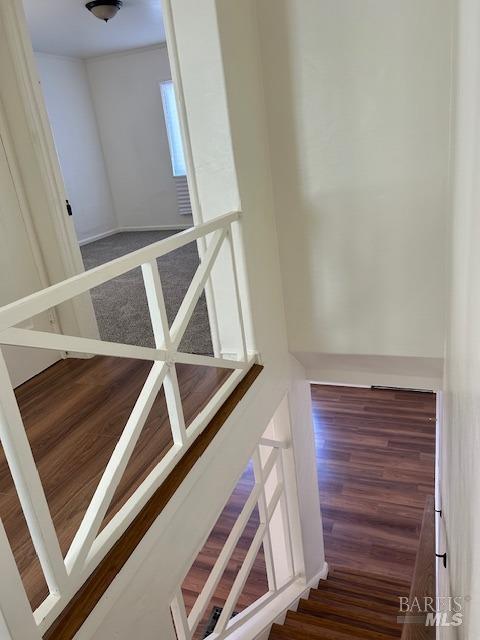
(79, 608)
(423, 583)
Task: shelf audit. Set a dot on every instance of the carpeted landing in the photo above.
(121, 304)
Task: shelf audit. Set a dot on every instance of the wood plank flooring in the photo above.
(375, 460)
(74, 413)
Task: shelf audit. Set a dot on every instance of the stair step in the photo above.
(313, 627)
(369, 582)
(344, 587)
(359, 600)
(350, 614)
(279, 632)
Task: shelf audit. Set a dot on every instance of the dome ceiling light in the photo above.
(104, 9)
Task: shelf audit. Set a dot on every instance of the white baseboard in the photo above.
(321, 575)
(111, 232)
(99, 236)
(160, 227)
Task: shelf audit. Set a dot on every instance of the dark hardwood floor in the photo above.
(74, 413)
(375, 459)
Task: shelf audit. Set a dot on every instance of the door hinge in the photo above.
(69, 208)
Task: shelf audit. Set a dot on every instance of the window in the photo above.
(173, 128)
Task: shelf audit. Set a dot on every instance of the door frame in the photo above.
(76, 317)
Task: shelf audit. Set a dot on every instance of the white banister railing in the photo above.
(65, 576)
(269, 497)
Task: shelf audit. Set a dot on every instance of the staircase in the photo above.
(344, 607)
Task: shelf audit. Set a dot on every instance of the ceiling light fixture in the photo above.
(104, 9)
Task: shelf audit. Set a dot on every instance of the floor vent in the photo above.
(212, 621)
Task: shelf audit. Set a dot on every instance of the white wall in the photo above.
(72, 118)
(358, 97)
(461, 420)
(126, 95)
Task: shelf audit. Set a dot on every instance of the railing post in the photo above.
(238, 300)
(28, 485)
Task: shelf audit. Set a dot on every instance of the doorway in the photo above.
(110, 101)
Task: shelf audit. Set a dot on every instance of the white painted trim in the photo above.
(158, 227)
(25, 308)
(65, 242)
(340, 384)
(23, 206)
(58, 56)
(261, 621)
(99, 236)
(124, 52)
(112, 232)
(321, 575)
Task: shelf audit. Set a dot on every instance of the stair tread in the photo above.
(361, 600)
(350, 614)
(303, 621)
(279, 632)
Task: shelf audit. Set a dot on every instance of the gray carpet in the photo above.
(121, 304)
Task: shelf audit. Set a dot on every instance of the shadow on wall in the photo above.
(360, 218)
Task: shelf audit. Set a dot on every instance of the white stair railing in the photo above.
(268, 495)
(65, 576)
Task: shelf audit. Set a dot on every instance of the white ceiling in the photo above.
(66, 27)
